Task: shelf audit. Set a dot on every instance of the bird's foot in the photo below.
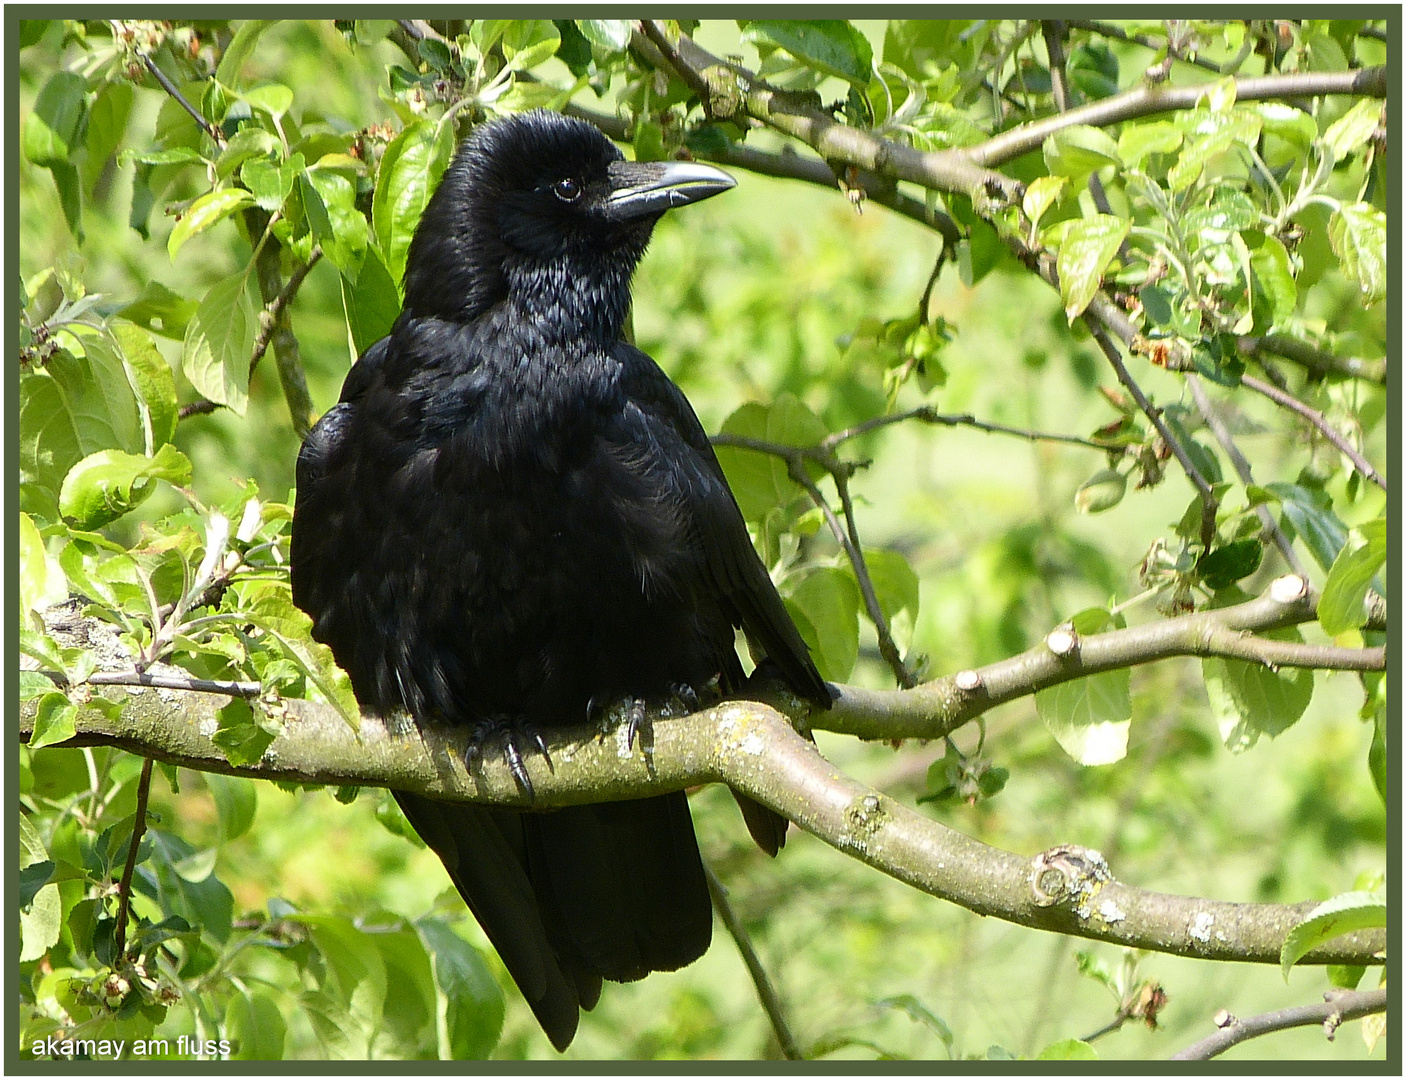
(512, 734)
(681, 700)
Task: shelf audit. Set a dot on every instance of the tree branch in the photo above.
(939, 707)
(1338, 1007)
(1318, 420)
(274, 330)
(754, 750)
(1146, 100)
(1117, 33)
(1209, 503)
(1314, 359)
(1242, 470)
(728, 90)
(766, 993)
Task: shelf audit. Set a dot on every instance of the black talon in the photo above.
(504, 728)
(687, 696)
(635, 722)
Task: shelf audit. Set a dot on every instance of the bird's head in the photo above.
(542, 203)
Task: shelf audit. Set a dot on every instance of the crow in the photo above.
(512, 518)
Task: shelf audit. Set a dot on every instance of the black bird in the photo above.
(513, 517)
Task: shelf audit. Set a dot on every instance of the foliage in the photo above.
(166, 254)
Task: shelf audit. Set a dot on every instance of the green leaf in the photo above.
(249, 142)
(205, 903)
(33, 878)
(371, 303)
(410, 168)
(269, 606)
(175, 155)
(104, 486)
(896, 586)
(270, 184)
(41, 924)
(54, 720)
(1376, 752)
(152, 376)
(473, 1002)
(240, 735)
(1357, 233)
(825, 605)
(1294, 126)
(1276, 296)
(832, 46)
(353, 978)
(340, 228)
(272, 98)
(1042, 193)
(1249, 700)
(256, 1028)
(612, 35)
(1229, 563)
(1068, 1050)
(1341, 607)
(161, 311)
(236, 800)
(1136, 141)
(1343, 914)
(529, 42)
(756, 482)
(239, 49)
(409, 1019)
(1088, 248)
(75, 406)
(919, 1013)
(42, 580)
(1079, 150)
(1102, 491)
(107, 123)
(219, 341)
(1210, 134)
(1310, 512)
(51, 129)
(1351, 131)
(211, 207)
(1089, 717)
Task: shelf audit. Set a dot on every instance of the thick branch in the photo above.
(1145, 100)
(753, 749)
(1338, 1007)
(940, 707)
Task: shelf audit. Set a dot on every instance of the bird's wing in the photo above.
(737, 575)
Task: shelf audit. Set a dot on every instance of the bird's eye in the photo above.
(567, 190)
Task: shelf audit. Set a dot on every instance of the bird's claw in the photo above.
(510, 733)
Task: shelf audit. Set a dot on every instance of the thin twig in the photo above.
(771, 1003)
(273, 310)
(1209, 503)
(1242, 469)
(1145, 100)
(1338, 1007)
(1315, 360)
(1318, 420)
(1109, 30)
(170, 88)
(174, 682)
(124, 887)
(849, 542)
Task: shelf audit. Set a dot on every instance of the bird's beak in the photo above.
(640, 188)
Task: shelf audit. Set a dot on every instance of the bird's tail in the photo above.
(573, 896)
